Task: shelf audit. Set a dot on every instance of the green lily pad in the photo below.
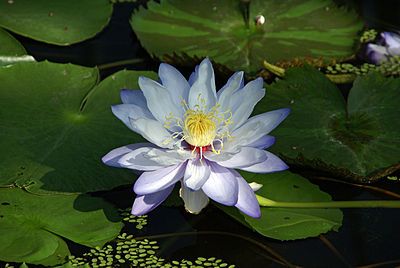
(56, 124)
(9, 46)
(32, 227)
(359, 139)
(217, 29)
(289, 223)
(55, 22)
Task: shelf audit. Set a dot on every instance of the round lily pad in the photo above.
(359, 139)
(55, 22)
(227, 32)
(289, 223)
(56, 124)
(32, 227)
(9, 46)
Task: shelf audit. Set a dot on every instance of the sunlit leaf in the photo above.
(289, 223)
(55, 22)
(359, 139)
(217, 29)
(32, 227)
(56, 124)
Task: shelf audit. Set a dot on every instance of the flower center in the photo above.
(199, 128)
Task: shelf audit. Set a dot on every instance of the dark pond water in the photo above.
(367, 236)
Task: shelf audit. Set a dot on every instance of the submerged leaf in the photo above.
(359, 139)
(56, 124)
(32, 226)
(218, 29)
(55, 22)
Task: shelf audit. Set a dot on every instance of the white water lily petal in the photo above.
(194, 201)
(247, 201)
(154, 181)
(174, 82)
(377, 54)
(256, 127)
(159, 100)
(234, 83)
(243, 101)
(271, 164)
(153, 131)
(113, 157)
(392, 42)
(196, 174)
(146, 203)
(136, 97)
(262, 143)
(202, 92)
(127, 112)
(221, 186)
(247, 156)
(150, 158)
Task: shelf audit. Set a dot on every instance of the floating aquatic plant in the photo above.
(231, 33)
(197, 137)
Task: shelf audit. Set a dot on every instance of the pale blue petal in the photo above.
(202, 92)
(150, 158)
(264, 142)
(194, 201)
(136, 97)
(392, 40)
(127, 112)
(112, 158)
(155, 181)
(247, 156)
(146, 203)
(221, 186)
(196, 174)
(174, 82)
(235, 82)
(153, 131)
(271, 164)
(243, 101)
(247, 201)
(193, 75)
(377, 54)
(159, 100)
(256, 127)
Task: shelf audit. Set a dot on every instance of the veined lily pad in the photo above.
(9, 46)
(359, 139)
(289, 223)
(217, 29)
(56, 124)
(55, 22)
(32, 226)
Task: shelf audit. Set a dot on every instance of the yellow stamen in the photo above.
(199, 128)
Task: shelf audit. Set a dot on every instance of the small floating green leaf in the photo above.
(9, 46)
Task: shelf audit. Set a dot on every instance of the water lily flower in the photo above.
(197, 137)
(388, 46)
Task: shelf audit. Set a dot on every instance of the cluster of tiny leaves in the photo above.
(126, 251)
(390, 67)
(127, 217)
(368, 36)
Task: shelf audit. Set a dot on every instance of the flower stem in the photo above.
(265, 202)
